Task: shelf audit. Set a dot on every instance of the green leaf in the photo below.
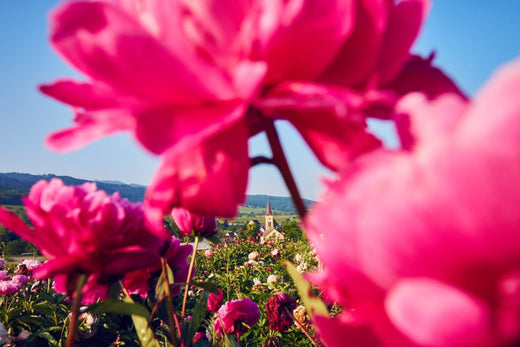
(46, 335)
(230, 341)
(210, 287)
(159, 289)
(142, 328)
(43, 308)
(312, 303)
(198, 313)
(128, 308)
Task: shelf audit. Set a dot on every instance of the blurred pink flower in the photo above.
(83, 230)
(191, 222)
(426, 239)
(208, 253)
(2, 264)
(31, 264)
(215, 301)
(4, 276)
(22, 279)
(176, 255)
(192, 81)
(9, 287)
(233, 313)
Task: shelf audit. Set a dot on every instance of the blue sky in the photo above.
(471, 38)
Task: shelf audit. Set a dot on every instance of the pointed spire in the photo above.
(268, 213)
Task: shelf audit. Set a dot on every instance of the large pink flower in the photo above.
(233, 313)
(181, 76)
(83, 230)
(426, 240)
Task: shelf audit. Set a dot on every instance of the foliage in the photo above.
(38, 309)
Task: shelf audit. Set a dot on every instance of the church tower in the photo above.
(269, 218)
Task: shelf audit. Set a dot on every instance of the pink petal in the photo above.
(209, 178)
(108, 45)
(403, 26)
(432, 313)
(330, 120)
(90, 126)
(419, 75)
(13, 223)
(495, 114)
(308, 37)
(338, 331)
(431, 119)
(360, 52)
(80, 94)
(160, 129)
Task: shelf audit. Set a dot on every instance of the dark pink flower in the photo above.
(83, 230)
(276, 308)
(215, 301)
(191, 222)
(232, 314)
(176, 255)
(192, 81)
(421, 246)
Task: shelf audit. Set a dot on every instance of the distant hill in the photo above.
(278, 204)
(14, 185)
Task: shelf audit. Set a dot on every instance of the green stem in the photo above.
(313, 341)
(280, 161)
(169, 305)
(190, 270)
(76, 303)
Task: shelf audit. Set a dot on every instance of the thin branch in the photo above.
(280, 161)
(261, 160)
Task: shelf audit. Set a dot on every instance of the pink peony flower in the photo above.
(83, 230)
(9, 287)
(276, 309)
(4, 276)
(192, 81)
(215, 301)
(208, 253)
(233, 313)
(426, 239)
(21, 279)
(191, 222)
(176, 254)
(31, 264)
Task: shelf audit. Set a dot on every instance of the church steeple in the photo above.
(268, 213)
(269, 218)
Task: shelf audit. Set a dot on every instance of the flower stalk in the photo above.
(281, 163)
(190, 270)
(313, 341)
(74, 314)
(171, 312)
